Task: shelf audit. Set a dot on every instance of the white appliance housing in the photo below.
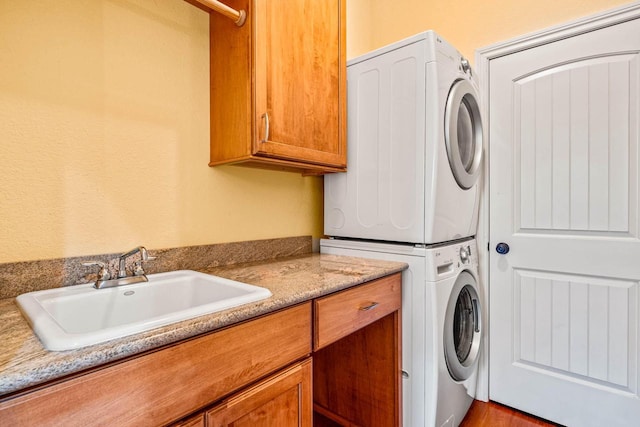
(414, 146)
(441, 325)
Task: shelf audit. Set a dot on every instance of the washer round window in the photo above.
(462, 328)
(463, 133)
(463, 324)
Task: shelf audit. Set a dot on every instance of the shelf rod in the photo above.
(238, 16)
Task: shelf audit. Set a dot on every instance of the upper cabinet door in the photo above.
(300, 80)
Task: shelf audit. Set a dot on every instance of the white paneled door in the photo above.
(565, 298)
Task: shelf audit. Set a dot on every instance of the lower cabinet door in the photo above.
(283, 400)
(194, 421)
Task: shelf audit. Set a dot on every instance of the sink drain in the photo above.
(128, 293)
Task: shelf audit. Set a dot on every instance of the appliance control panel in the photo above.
(450, 259)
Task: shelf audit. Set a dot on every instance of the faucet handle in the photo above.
(103, 274)
(144, 255)
(137, 269)
(137, 266)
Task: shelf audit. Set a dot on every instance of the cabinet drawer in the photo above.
(165, 385)
(340, 314)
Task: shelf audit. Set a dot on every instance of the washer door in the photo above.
(462, 328)
(463, 133)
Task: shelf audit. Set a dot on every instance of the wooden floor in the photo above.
(491, 414)
(481, 414)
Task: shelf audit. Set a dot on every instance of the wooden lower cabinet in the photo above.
(364, 365)
(194, 421)
(357, 356)
(258, 373)
(356, 373)
(168, 384)
(282, 400)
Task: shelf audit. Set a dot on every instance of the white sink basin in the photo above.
(78, 316)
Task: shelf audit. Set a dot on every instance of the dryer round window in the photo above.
(466, 142)
(462, 328)
(463, 133)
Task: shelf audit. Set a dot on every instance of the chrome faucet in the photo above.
(122, 263)
(104, 279)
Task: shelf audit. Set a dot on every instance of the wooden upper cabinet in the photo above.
(278, 86)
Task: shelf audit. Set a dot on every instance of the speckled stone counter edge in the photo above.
(25, 363)
(20, 277)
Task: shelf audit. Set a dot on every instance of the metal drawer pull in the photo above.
(265, 116)
(369, 307)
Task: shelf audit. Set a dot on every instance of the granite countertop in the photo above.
(24, 362)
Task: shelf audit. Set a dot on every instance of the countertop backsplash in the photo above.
(20, 277)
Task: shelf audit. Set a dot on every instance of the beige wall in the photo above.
(104, 121)
(467, 24)
(104, 135)
(359, 30)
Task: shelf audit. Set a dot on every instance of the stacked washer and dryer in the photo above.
(411, 194)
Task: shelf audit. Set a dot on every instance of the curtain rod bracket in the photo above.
(242, 18)
(238, 16)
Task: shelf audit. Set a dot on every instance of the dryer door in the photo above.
(462, 328)
(463, 133)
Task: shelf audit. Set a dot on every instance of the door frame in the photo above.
(483, 58)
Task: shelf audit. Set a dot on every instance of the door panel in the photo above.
(576, 326)
(557, 152)
(564, 195)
